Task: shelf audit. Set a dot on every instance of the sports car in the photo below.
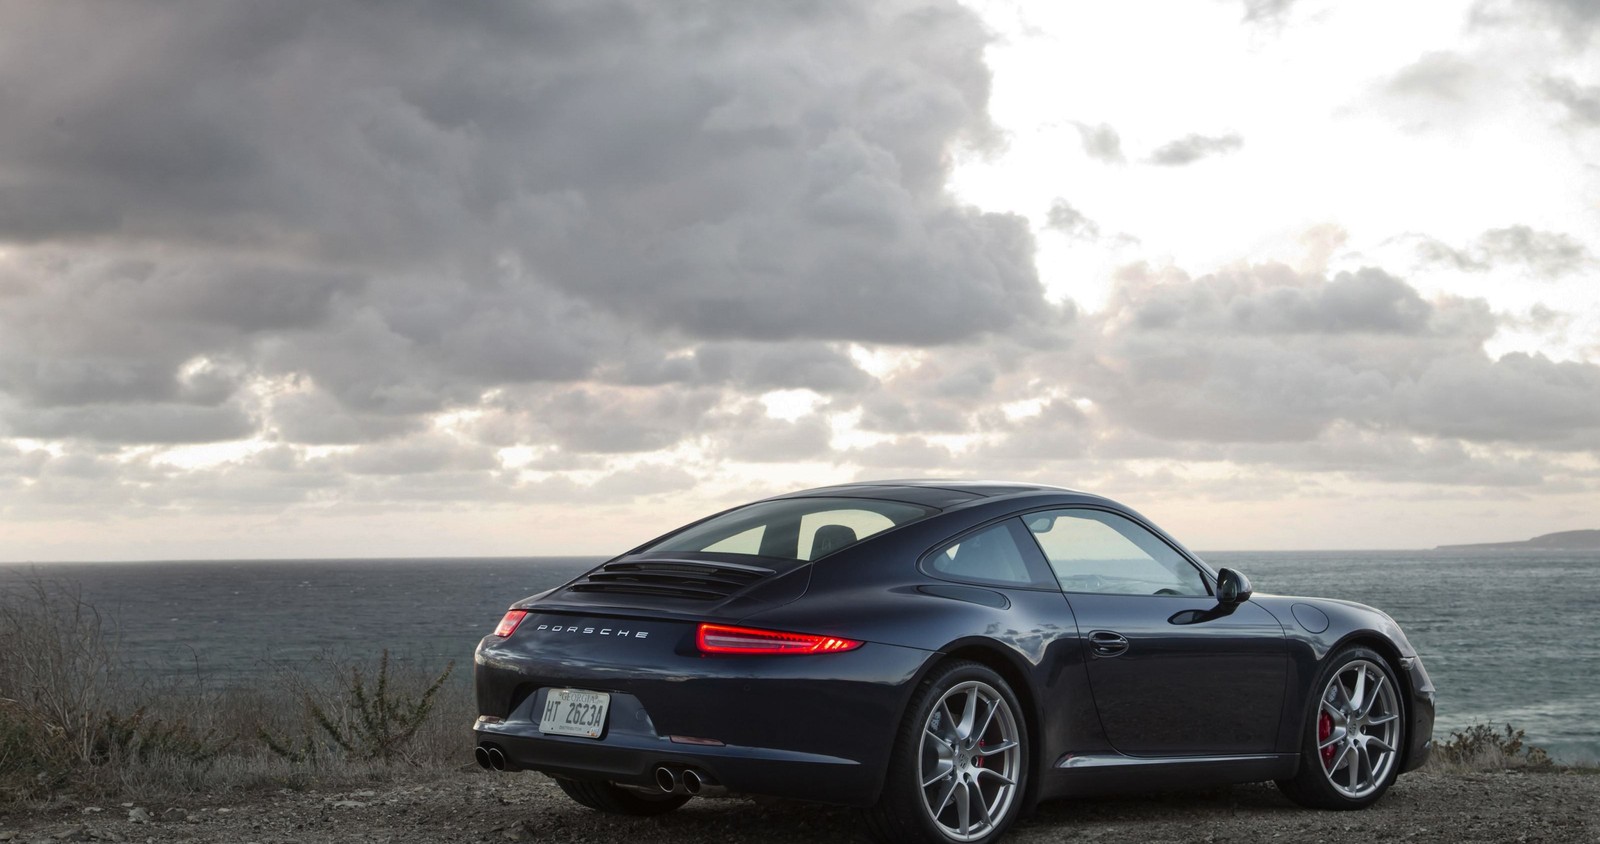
(943, 655)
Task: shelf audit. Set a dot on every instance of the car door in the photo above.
(1172, 672)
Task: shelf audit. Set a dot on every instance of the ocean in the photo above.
(1508, 637)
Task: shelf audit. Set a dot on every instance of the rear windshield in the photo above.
(792, 528)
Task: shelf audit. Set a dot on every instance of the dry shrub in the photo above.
(74, 717)
(58, 677)
(377, 719)
(1481, 747)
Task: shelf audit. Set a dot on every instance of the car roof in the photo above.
(939, 493)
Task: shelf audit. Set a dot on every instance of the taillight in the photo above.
(723, 639)
(508, 625)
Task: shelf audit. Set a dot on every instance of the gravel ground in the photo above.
(480, 807)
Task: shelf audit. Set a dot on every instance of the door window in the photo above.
(1097, 551)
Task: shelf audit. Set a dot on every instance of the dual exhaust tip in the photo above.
(490, 758)
(690, 781)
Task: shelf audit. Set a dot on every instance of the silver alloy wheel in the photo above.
(1358, 729)
(969, 761)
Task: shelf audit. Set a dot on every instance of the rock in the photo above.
(76, 833)
(348, 804)
(138, 815)
(175, 814)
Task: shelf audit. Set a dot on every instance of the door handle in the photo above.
(1107, 643)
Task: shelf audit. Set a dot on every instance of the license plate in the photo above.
(573, 712)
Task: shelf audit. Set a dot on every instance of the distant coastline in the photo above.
(1566, 540)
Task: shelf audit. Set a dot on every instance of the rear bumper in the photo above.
(813, 727)
(632, 760)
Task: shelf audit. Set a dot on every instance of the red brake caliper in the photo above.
(1324, 730)
(977, 761)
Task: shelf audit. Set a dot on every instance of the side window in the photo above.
(1096, 551)
(990, 555)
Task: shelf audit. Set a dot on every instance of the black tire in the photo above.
(615, 800)
(904, 812)
(1315, 785)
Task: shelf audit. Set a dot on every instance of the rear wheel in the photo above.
(1353, 735)
(960, 761)
(616, 800)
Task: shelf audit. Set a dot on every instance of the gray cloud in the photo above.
(418, 455)
(1265, 354)
(1192, 148)
(133, 423)
(1101, 142)
(1269, 11)
(1582, 102)
(413, 205)
(1443, 75)
(1062, 217)
(614, 420)
(1575, 17)
(823, 367)
(1548, 254)
(754, 437)
(589, 233)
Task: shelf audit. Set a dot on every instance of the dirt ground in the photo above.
(481, 807)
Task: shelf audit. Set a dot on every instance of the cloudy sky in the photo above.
(312, 278)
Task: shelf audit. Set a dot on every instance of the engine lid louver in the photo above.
(690, 579)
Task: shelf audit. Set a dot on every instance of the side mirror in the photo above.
(1232, 587)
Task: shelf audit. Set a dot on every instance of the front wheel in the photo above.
(960, 761)
(616, 800)
(1351, 743)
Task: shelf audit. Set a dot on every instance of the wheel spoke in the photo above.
(941, 771)
(964, 809)
(969, 714)
(988, 816)
(1360, 692)
(997, 775)
(1332, 740)
(1355, 769)
(1343, 701)
(1372, 699)
(988, 719)
(1333, 711)
(1339, 757)
(1381, 720)
(1380, 744)
(991, 750)
(944, 798)
(938, 738)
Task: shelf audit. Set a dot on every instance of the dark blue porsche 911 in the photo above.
(944, 655)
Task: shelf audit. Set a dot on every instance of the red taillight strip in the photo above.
(725, 639)
(508, 625)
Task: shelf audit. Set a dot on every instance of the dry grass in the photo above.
(74, 719)
(1481, 747)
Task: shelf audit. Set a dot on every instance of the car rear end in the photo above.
(645, 673)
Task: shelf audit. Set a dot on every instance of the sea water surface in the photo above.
(1507, 637)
